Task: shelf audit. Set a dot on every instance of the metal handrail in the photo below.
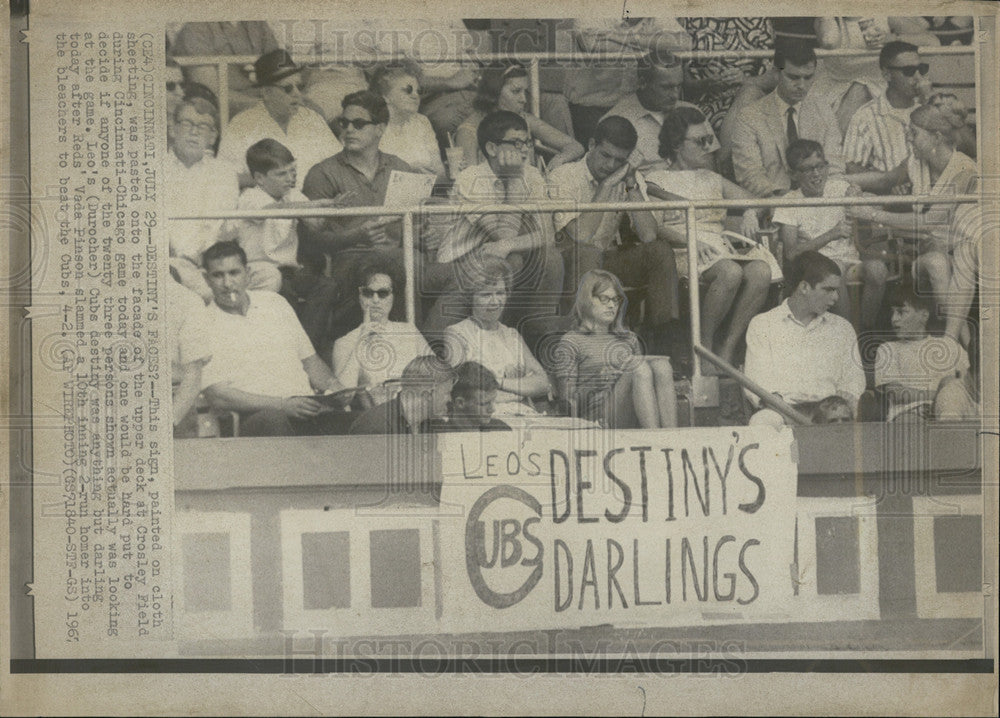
(770, 400)
(534, 60)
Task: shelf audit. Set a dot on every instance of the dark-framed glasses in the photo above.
(609, 300)
(368, 293)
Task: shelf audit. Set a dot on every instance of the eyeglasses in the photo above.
(705, 141)
(368, 292)
(188, 126)
(293, 87)
(814, 169)
(519, 145)
(358, 124)
(910, 70)
(608, 301)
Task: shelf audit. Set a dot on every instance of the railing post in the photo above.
(222, 70)
(409, 268)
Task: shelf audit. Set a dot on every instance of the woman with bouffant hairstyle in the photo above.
(600, 368)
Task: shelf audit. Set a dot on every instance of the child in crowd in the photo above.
(272, 244)
(828, 230)
(922, 376)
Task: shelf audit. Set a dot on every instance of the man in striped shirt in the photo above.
(876, 135)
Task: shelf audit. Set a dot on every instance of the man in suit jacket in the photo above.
(765, 129)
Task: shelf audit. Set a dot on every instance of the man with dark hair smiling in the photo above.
(472, 402)
(799, 350)
(764, 129)
(263, 365)
(593, 240)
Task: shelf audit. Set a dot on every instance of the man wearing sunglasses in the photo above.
(764, 129)
(595, 240)
(280, 115)
(876, 135)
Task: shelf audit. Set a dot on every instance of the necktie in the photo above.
(790, 130)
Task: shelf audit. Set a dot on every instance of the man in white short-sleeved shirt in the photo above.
(828, 230)
(264, 365)
(188, 341)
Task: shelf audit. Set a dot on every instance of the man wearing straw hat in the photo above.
(280, 115)
(799, 350)
(660, 78)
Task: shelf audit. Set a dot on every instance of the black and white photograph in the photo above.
(502, 358)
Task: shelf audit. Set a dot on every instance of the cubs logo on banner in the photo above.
(551, 529)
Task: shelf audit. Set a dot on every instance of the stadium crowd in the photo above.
(295, 325)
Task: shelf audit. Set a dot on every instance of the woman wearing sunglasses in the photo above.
(377, 351)
(599, 366)
(507, 89)
(409, 134)
(737, 283)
